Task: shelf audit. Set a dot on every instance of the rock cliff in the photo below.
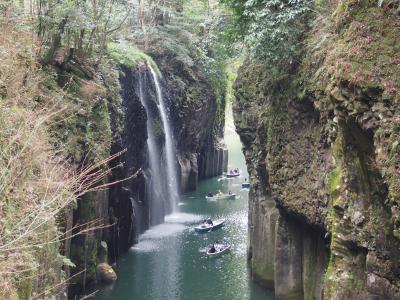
(73, 157)
(321, 145)
(198, 113)
(126, 207)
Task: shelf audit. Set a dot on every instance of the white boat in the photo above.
(207, 227)
(219, 250)
(221, 196)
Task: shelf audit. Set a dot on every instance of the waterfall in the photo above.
(155, 191)
(162, 185)
(170, 150)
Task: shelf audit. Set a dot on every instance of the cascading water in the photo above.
(162, 187)
(156, 190)
(170, 150)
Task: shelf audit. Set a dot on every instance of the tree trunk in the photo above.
(56, 43)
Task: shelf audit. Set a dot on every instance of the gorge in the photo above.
(116, 119)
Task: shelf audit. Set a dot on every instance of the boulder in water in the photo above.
(105, 273)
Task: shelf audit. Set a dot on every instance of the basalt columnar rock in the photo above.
(198, 118)
(321, 142)
(125, 209)
(192, 105)
(86, 130)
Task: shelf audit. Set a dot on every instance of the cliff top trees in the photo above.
(80, 28)
(84, 27)
(270, 29)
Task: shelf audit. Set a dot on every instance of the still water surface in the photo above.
(169, 262)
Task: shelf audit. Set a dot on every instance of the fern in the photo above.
(66, 261)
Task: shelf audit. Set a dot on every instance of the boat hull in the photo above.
(229, 197)
(233, 175)
(218, 224)
(218, 253)
(201, 229)
(204, 228)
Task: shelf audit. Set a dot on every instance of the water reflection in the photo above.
(169, 262)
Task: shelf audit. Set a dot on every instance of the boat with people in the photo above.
(246, 185)
(217, 249)
(209, 225)
(233, 173)
(220, 196)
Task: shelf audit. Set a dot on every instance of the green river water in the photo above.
(169, 262)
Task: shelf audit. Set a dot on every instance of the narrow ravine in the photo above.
(169, 261)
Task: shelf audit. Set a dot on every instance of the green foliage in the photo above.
(66, 261)
(124, 54)
(271, 29)
(232, 73)
(77, 35)
(190, 33)
(84, 27)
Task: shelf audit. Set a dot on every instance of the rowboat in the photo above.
(230, 175)
(221, 197)
(206, 227)
(203, 228)
(219, 250)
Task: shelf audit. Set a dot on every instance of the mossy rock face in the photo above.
(89, 133)
(196, 106)
(263, 274)
(85, 247)
(86, 129)
(192, 101)
(129, 56)
(322, 141)
(275, 132)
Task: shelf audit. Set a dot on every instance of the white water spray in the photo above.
(156, 190)
(170, 150)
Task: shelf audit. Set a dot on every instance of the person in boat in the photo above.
(209, 194)
(219, 193)
(209, 221)
(231, 172)
(230, 193)
(212, 249)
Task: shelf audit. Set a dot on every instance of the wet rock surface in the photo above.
(321, 153)
(124, 210)
(198, 126)
(105, 273)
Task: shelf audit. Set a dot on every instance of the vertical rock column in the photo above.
(262, 231)
(288, 261)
